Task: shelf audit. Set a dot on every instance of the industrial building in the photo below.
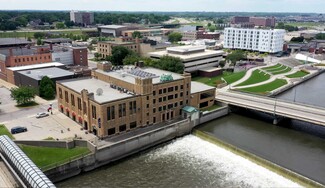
(246, 21)
(261, 40)
(120, 99)
(13, 43)
(193, 57)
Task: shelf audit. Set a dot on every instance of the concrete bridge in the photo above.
(274, 106)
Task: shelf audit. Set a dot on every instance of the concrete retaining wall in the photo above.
(119, 150)
(206, 117)
(47, 143)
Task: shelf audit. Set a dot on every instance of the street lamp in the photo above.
(294, 97)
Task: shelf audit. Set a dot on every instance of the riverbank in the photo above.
(304, 181)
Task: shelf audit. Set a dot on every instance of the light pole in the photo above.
(294, 97)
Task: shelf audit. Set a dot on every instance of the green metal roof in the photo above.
(190, 109)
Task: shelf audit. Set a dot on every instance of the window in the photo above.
(122, 128)
(108, 113)
(170, 106)
(93, 112)
(181, 94)
(176, 88)
(66, 97)
(79, 103)
(176, 95)
(147, 105)
(154, 101)
(60, 93)
(165, 90)
(154, 93)
(111, 131)
(72, 100)
(84, 108)
(170, 97)
(160, 99)
(170, 89)
(120, 110)
(160, 91)
(182, 86)
(164, 107)
(160, 108)
(133, 125)
(154, 110)
(165, 98)
(181, 103)
(147, 97)
(175, 105)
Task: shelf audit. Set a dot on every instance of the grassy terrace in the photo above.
(266, 88)
(272, 67)
(230, 77)
(46, 158)
(256, 77)
(287, 69)
(4, 131)
(297, 74)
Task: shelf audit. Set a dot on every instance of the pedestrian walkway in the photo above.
(6, 179)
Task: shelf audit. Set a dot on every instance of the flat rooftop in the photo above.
(51, 72)
(36, 66)
(188, 48)
(13, 41)
(57, 40)
(92, 85)
(111, 26)
(210, 69)
(188, 57)
(128, 74)
(197, 87)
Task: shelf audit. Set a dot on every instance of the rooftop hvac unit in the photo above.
(99, 91)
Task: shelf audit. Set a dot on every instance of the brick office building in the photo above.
(116, 101)
(105, 48)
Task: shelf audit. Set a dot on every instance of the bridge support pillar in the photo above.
(275, 121)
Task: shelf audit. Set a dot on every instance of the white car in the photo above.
(42, 114)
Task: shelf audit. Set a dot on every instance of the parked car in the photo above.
(42, 114)
(18, 129)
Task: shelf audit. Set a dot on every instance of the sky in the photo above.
(308, 6)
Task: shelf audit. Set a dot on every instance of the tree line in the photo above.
(10, 20)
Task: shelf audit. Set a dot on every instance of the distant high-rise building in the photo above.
(85, 18)
(262, 40)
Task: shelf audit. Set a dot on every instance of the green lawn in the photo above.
(211, 108)
(276, 69)
(272, 67)
(5, 131)
(304, 24)
(266, 88)
(46, 157)
(297, 74)
(288, 69)
(256, 77)
(31, 33)
(230, 77)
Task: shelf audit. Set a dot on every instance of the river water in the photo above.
(193, 162)
(186, 162)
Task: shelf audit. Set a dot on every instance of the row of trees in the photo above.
(25, 94)
(289, 28)
(10, 20)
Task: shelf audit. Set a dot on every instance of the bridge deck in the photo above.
(302, 112)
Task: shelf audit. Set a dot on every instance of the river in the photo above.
(193, 162)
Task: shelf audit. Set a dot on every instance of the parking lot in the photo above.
(57, 126)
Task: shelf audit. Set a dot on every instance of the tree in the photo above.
(297, 39)
(39, 41)
(209, 24)
(320, 36)
(39, 35)
(60, 25)
(69, 23)
(29, 39)
(175, 37)
(169, 63)
(235, 56)
(47, 88)
(131, 59)
(118, 54)
(23, 95)
(97, 56)
(220, 21)
(136, 34)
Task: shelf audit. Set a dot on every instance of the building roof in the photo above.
(197, 87)
(92, 85)
(51, 72)
(210, 69)
(188, 48)
(18, 51)
(57, 40)
(190, 56)
(189, 109)
(13, 41)
(36, 66)
(112, 26)
(127, 75)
